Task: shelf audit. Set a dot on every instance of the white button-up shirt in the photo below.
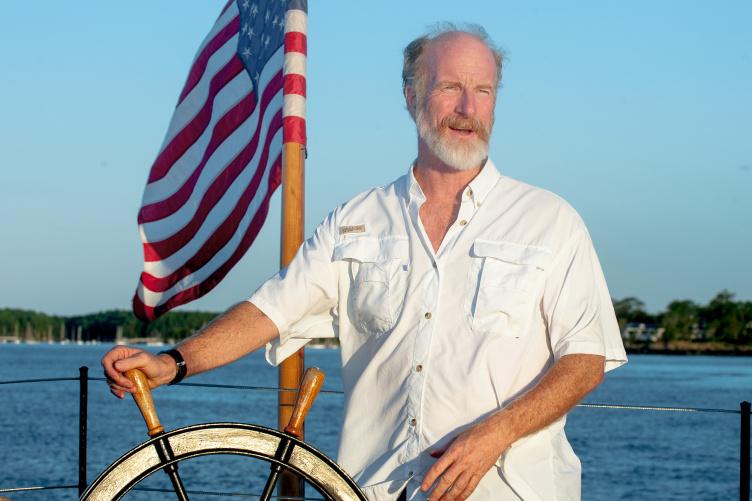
(432, 342)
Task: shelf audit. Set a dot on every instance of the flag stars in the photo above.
(245, 4)
(267, 16)
(254, 10)
(247, 52)
(244, 28)
(251, 33)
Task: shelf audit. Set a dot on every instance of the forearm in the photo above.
(561, 388)
(473, 452)
(240, 330)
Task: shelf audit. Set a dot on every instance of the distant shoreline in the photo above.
(686, 348)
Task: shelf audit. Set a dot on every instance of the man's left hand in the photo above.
(464, 461)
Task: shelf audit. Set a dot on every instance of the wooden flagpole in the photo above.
(293, 211)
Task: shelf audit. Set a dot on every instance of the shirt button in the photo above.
(469, 192)
(418, 368)
(413, 422)
(428, 315)
(463, 222)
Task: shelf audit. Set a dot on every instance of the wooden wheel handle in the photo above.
(143, 399)
(313, 379)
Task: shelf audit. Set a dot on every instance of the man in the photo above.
(471, 309)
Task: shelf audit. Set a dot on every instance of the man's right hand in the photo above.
(159, 369)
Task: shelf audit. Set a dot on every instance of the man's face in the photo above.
(454, 111)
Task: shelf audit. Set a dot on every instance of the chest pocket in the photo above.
(377, 274)
(503, 283)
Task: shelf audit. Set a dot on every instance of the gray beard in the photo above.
(458, 156)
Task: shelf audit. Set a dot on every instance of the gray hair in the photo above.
(413, 68)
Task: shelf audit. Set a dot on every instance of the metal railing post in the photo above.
(83, 399)
(744, 453)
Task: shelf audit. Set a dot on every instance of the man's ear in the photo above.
(410, 100)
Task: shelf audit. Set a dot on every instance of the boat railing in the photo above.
(83, 379)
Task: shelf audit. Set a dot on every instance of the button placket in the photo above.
(416, 379)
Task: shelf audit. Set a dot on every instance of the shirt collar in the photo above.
(477, 189)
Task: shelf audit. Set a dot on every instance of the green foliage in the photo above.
(721, 320)
(681, 320)
(102, 326)
(631, 309)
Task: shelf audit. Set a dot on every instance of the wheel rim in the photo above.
(223, 438)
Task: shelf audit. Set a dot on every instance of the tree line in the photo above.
(105, 326)
(722, 320)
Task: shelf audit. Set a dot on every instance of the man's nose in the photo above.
(466, 103)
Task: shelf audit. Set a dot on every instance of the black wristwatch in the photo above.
(179, 361)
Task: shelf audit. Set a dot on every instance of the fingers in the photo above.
(436, 471)
(470, 487)
(450, 484)
(116, 362)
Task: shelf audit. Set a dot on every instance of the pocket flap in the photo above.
(371, 250)
(511, 252)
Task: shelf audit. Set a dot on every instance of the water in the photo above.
(626, 455)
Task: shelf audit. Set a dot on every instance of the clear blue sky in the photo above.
(638, 113)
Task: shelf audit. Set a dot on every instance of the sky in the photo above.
(638, 113)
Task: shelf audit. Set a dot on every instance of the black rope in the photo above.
(41, 380)
(657, 408)
(340, 392)
(38, 488)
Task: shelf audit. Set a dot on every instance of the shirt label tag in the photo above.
(359, 228)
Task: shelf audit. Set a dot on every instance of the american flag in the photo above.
(208, 191)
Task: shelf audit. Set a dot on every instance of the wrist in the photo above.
(176, 360)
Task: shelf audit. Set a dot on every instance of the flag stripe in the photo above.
(223, 252)
(186, 110)
(213, 167)
(296, 42)
(221, 236)
(193, 130)
(215, 44)
(296, 20)
(231, 148)
(294, 106)
(155, 250)
(161, 249)
(295, 63)
(227, 6)
(294, 130)
(222, 102)
(189, 294)
(295, 84)
(221, 131)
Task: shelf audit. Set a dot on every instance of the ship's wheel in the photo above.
(283, 451)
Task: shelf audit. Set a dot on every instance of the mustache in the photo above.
(465, 123)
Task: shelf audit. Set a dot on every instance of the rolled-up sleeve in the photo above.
(300, 299)
(577, 305)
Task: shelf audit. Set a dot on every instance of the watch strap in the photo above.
(182, 370)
